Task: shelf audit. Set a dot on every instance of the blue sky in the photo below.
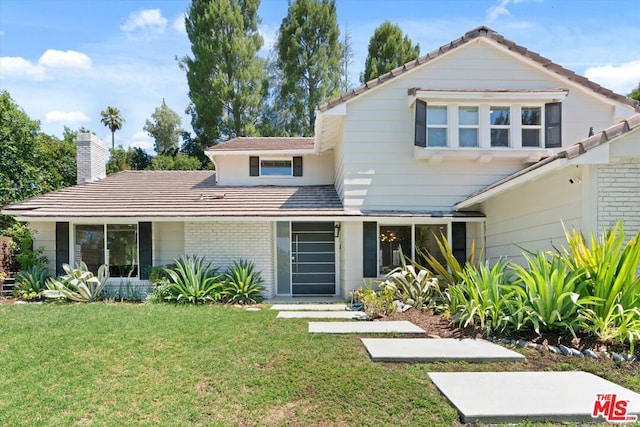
(64, 61)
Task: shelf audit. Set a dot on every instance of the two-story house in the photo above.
(480, 139)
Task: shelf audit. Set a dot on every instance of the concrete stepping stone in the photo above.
(413, 350)
(309, 307)
(400, 327)
(358, 315)
(512, 397)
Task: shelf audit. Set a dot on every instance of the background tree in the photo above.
(112, 118)
(138, 159)
(224, 74)
(180, 162)
(117, 160)
(309, 53)
(388, 49)
(164, 129)
(69, 135)
(635, 94)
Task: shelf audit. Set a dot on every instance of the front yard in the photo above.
(144, 364)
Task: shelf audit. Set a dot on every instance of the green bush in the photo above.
(22, 245)
(413, 285)
(243, 284)
(30, 283)
(161, 292)
(79, 284)
(193, 281)
(451, 272)
(377, 303)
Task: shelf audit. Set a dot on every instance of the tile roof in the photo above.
(572, 151)
(469, 36)
(264, 143)
(168, 194)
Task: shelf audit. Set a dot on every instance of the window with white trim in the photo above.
(531, 122)
(275, 167)
(113, 244)
(500, 126)
(396, 241)
(468, 126)
(437, 125)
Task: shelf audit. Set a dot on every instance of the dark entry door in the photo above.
(313, 259)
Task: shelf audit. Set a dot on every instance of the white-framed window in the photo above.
(468, 126)
(437, 125)
(396, 241)
(270, 167)
(113, 244)
(531, 122)
(500, 126)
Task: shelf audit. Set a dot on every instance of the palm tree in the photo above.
(112, 118)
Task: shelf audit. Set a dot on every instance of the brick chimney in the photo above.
(91, 158)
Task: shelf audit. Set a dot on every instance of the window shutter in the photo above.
(553, 125)
(421, 124)
(62, 246)
(297, 166)
(254, 166)
(145, 252)
(459, 241)
(370, 249)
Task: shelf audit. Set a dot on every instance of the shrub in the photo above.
(376, 303)
(161, 292)
(30, 283)
(193, 281)
(413, 285)
(79, 284)
(451, 272)
(243, 284)
(22, 245)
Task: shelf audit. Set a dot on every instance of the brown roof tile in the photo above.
(166, 194)
(471, 35)
(264, 143)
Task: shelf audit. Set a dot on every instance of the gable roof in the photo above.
(469, 36)
(264, 144)
(578, 149)
(170, 194)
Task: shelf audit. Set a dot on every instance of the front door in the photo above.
(313, 258)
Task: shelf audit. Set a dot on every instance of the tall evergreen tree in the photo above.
(388, 49)
(309, 56)
(224, 74)
(164, 128)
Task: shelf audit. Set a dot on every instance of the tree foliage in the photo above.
(164, 128)
(180, 162)
(309, 55)
(113, 119)
(134, 158)
(635, 94)
(388, 49)
(224, 73)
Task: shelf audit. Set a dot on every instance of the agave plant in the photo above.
(413, 285)
(243, 284)
(30, 283)
(193, 281)
(79, 284)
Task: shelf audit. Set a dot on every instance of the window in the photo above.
(113, 244)
(531, 126)
(393, 240)
(426, 240)
(436, 126)
(500, 122)
(468, 125)
(276, 168)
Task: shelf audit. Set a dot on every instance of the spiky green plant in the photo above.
(413, 285)
(30, 283)
(243, 284)
(451, 272)
(193, 281)
(79, 284)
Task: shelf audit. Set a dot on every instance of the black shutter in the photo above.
(370, 249)
(62, 246)
(144, 249)
(254, 166)
(553, 125)
(297, 166)
(421, 124)
(459, 241)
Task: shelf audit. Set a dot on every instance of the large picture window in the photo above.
(395, 241)
(113, 244)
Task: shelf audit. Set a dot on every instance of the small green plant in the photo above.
(451, 272)
(377, 303)
(193, 281)
(79, 284)
(3, 276)
(161, 292)
(414, 286)
(22, 245)
(243, 284)
(30, 283)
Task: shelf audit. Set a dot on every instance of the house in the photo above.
(480, 139)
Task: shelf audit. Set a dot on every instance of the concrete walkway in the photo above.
(400, 327)
(309, 307)
(356, 315)
(414, 350)
(511, 397)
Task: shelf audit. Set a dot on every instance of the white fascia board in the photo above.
(262, 153)
(516, 182)
(554, 95)
(595, 156)
(338, 110)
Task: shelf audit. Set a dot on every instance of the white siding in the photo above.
(45, 238)
(619, 195)
(316, 170)
(221, 243)
(531, 215)
(168, 242)
(351, 260)
(379, 171)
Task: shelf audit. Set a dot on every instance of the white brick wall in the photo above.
(91, 158)
(619, 195)
(221, 243)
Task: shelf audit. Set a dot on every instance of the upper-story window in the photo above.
(531, 126)
(500, 122)
(270, 167)
(437, 126)
(468, 126)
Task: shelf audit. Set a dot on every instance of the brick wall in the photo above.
(221, 243)
(619, 195)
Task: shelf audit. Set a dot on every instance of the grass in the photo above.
(142, 364)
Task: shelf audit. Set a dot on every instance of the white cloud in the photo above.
(142, 140)
(621, 79)
(53, 58)
(178, 23)
(18, 66)
(498, 10)
(66, 117)
(269, 37)
(149, 21)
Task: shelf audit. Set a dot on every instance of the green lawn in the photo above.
(126, 364)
